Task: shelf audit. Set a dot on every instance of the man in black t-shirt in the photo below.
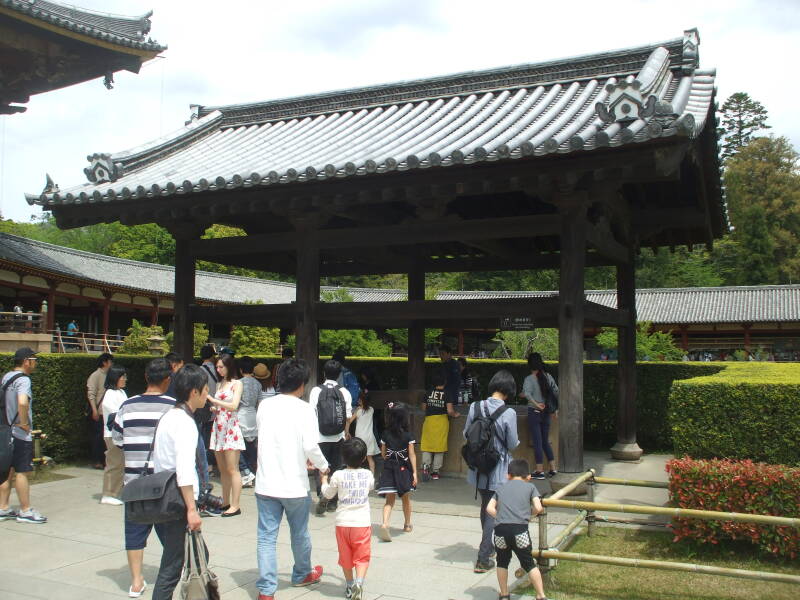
(438, 406)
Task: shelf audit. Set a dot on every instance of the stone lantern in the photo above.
(156, 345)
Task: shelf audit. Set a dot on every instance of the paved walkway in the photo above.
(78, 553)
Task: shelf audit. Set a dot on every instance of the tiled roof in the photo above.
(673, 306)
(130, 32)
(572, 105)
(138, 276)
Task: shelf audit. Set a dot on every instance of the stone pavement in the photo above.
(79, 552)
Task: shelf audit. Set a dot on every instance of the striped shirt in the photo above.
(134, 427)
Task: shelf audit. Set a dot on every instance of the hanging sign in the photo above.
(516, 324)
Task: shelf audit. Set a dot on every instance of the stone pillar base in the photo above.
(563, 479)
(627, 452)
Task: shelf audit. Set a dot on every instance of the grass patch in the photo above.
(584, 581)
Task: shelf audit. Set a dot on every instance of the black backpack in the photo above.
(331, 410)
(550, 396)
(479, 452)
(6, 439)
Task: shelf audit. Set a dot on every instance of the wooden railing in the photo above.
(84, 341)
(24, 322)
(551, 551)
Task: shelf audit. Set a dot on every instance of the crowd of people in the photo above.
(252, 422)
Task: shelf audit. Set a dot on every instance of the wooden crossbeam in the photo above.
(603, 241)
(360, 237)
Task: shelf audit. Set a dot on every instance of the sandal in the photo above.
(506, 597)
(408, 528)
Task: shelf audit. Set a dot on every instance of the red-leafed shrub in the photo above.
(737, 486)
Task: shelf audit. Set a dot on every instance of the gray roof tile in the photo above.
(565, 106)
(122, 31)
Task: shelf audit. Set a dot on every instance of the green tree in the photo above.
(355, 342)
(251, 339)
(650, 345)
(519, 344)
(400, 337)
(762, 183)
(136, 341)
(741, 118)
(682, 268)
(199, 338)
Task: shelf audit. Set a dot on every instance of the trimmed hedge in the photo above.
(747, 411)
(743, 487)
(706, 428)
(59, 398)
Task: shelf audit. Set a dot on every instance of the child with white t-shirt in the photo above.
(353, 523)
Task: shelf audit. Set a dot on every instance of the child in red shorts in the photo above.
(353, 523)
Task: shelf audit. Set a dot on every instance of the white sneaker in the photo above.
(30, 516)
(248, 480)
(111, 500)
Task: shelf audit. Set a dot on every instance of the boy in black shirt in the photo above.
(511, 508)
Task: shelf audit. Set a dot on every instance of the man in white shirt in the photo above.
(287, 445)
(331, 444)
(175, 449)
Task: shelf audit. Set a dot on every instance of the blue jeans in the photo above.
(539, 427)
(270, 513)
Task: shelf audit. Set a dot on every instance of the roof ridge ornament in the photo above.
(102, 169)
(691, 52)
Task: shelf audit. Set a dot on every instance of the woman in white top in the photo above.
(114, 396)
(364, 429)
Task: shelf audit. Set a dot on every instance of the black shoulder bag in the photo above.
(153, 498)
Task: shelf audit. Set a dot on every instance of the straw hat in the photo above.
(261, 371)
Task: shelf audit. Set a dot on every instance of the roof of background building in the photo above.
(749, 304)
(130, 32)
(578, 104)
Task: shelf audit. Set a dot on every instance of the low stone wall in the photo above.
(39, 342)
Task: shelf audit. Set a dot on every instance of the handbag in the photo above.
(198, 582)
(153, 498)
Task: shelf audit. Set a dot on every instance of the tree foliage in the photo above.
(519, 344)
(741, 118)
(199, 339)
(763, 194)
(650, 345)
(136, 342)
(251, 339)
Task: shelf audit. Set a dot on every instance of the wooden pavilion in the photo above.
(565, 164)
(46, 46)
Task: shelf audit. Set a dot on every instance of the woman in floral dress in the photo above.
(226, 437)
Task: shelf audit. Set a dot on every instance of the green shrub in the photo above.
(59, 398)
(747, 411)
(737, 486)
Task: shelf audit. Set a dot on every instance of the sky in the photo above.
(244, 51)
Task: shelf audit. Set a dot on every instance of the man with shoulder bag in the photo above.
(133, 430)
(175, 450)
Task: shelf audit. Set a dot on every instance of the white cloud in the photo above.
(244, 51)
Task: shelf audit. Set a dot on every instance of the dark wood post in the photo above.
(626, 447)
(184, 290)
(106, 312)
(570, 335)
(416, 332)
(306, 330)
(51, 306)
(154, 312)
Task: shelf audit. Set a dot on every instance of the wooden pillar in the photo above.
(460, 349)
(570, 335)
(184, 292)
(747, 342)
(51, 306)
(306, 330)
(685, 338)
(154, 313)
(416, 333)
(106, 313)
(626, 447)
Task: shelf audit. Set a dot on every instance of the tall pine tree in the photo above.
(741, 118)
